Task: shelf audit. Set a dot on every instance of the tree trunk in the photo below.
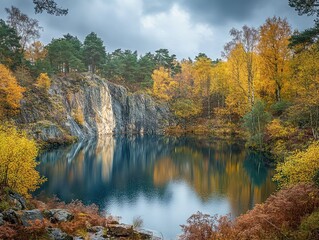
(208, 97)
(278, 92)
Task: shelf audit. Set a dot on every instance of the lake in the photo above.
(163, 180)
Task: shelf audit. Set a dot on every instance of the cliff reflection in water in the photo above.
(124, 168)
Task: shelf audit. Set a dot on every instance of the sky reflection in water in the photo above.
(163, 180)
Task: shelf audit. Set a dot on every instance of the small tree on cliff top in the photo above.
(43, 81)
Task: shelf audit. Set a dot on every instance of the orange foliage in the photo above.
(19, 232)
(280, 217)
(36, 52)
(203, 226)
(85, 217)
(10, 93)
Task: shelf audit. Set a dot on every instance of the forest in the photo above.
(264, 89)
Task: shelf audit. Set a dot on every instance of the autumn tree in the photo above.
(43, 81)
(303, 89)
(219, 84)
(27, 28)
(10, 48)
(202, 81)
(274, 53)
(304, 84)
(10, 93)
(237, 98)
(163, 84)
(36, 52)
(93, 51)
(185, 80)
(247, 40)
(17, 161)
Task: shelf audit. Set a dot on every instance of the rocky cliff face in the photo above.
(83, 107)
(138, 112)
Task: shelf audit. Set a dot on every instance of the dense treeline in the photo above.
(265, 84)
(264, 73)
(68, 54)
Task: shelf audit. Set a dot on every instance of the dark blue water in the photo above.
(163, 180)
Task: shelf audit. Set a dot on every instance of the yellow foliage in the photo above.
(202, 76)
(186, 108)
(302, 166)
(220, 83)
(35, 52)
(237, 98)
(236, 104)
(164, 84)
(17, 161)
(263, 86)
(79, 117)
(10, 93)
(184, 80)
(276, 130)
(274, 55)
(43, 81)
(304, 77)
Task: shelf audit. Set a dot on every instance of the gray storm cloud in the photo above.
(185, 27)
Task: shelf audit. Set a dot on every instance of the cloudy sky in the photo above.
(185, 27)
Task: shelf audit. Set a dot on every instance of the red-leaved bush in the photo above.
(279, 217)
(85, 217)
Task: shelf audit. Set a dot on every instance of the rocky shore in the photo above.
(35, 219)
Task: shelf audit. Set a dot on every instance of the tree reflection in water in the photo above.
(120, 173)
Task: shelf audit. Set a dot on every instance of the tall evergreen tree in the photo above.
(310, 8)
(10, 48)
(65, 54)
(93, 52)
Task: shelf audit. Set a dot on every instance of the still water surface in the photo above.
(163, 180)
